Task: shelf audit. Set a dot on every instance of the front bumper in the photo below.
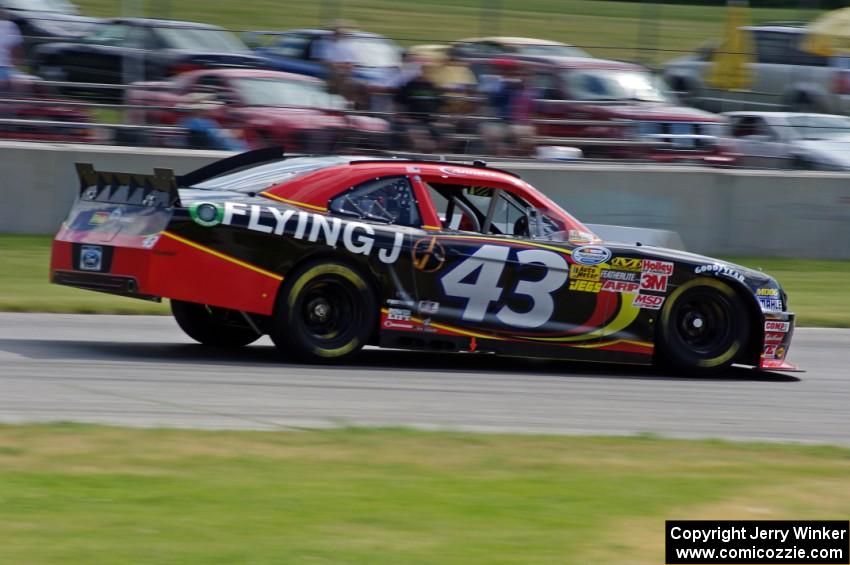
(778, 330)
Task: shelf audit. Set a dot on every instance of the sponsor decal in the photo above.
(776, 326)
(397, 302)
(591, 254)
(115, 215)
(627, 264)
(585, 286)
(772, 292)
(774, 338)
(355, 237)
(720, 270)
(657, 267)
(394, 325)
(428, 307)
(621, 286)
(91, 258)
(769, 351)
(150, 241)
(621, 276)
(471, 171)
(398, 314)
(653, 282)
(429, 255)
(98, 218)
(647, 301)
(585, 272)
(780, 352)
(770, 304)
(578, 237)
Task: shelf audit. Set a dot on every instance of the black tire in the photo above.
(326, 312)
(216, 327)
(704, 327)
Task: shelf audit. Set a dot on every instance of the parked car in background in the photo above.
(784, 140)
(40, 21)
(32, 100)
(266, 107)
(376, 57)
(488, 47)
(784, 77)
(123, 50)
(616, 101)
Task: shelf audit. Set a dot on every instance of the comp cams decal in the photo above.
(356, 237)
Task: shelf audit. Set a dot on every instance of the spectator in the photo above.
(337, 54)
(513, 101)
(202, 131)
(10, 50)
(418, 101)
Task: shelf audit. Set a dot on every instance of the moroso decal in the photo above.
(355, 237)
(591, 254)
(627, 264)
(585, 272)
(648, 301)
(653, 282)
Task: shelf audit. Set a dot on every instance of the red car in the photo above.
(266, 107)
(633, 104)
(35, 102)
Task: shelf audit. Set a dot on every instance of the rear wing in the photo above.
(157, 190)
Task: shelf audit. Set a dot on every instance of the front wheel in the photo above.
(704, 327)
(325, 312)
(216, 327)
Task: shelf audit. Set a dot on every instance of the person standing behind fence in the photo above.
(337, 54)
(10, 49)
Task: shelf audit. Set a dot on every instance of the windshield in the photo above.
(60, 6)
(820, 127)
(374, 52)
(552, 50)
(212, 40)
(262, 91)
(608, 84)
(261, 177)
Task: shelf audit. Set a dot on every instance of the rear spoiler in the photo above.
(230, 164)
(156, 190)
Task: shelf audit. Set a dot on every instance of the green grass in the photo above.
(608, 29)
(817, 289)
(89, 495)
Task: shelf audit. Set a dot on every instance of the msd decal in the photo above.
(653, 282)
(657, 267)
(647, 301)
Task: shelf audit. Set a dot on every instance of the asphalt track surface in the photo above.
(142, 371)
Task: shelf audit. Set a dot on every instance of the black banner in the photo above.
(821, 542)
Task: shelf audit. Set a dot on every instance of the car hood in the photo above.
(753, 276)
(667, 112)
(827, 151)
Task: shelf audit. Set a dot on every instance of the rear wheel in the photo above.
(704, 327)
(325, 312)
(217, 327)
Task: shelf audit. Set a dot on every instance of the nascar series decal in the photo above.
(356, 237)
(591, 254)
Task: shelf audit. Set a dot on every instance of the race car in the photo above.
(327, 254)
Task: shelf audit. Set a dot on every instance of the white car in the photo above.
(789, 140)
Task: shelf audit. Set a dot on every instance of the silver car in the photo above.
(787, 140)
(784, 77)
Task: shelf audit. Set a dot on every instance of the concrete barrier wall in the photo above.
(715, 211)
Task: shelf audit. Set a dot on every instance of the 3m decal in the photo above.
(620, 286)
(626, 264)
(720, 270)
(585, 286)
(476, 279)
(657, 267)
(591, 254)
(775, 326)
(647, 301)
(585, 273)
(653, 282)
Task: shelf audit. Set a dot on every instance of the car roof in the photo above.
(153, 22)
(255, 73)
(783, 28)
(323, 32)
(575, 62)
(512, 40)
(780, 114)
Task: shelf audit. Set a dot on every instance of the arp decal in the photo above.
(591, 254)
(620, 286)
(476, 280)
(653, 282)
(627, 264)
(648, 301)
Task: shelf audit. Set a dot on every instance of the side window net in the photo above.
(389, 200)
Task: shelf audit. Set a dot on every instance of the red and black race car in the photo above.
(328, 254)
